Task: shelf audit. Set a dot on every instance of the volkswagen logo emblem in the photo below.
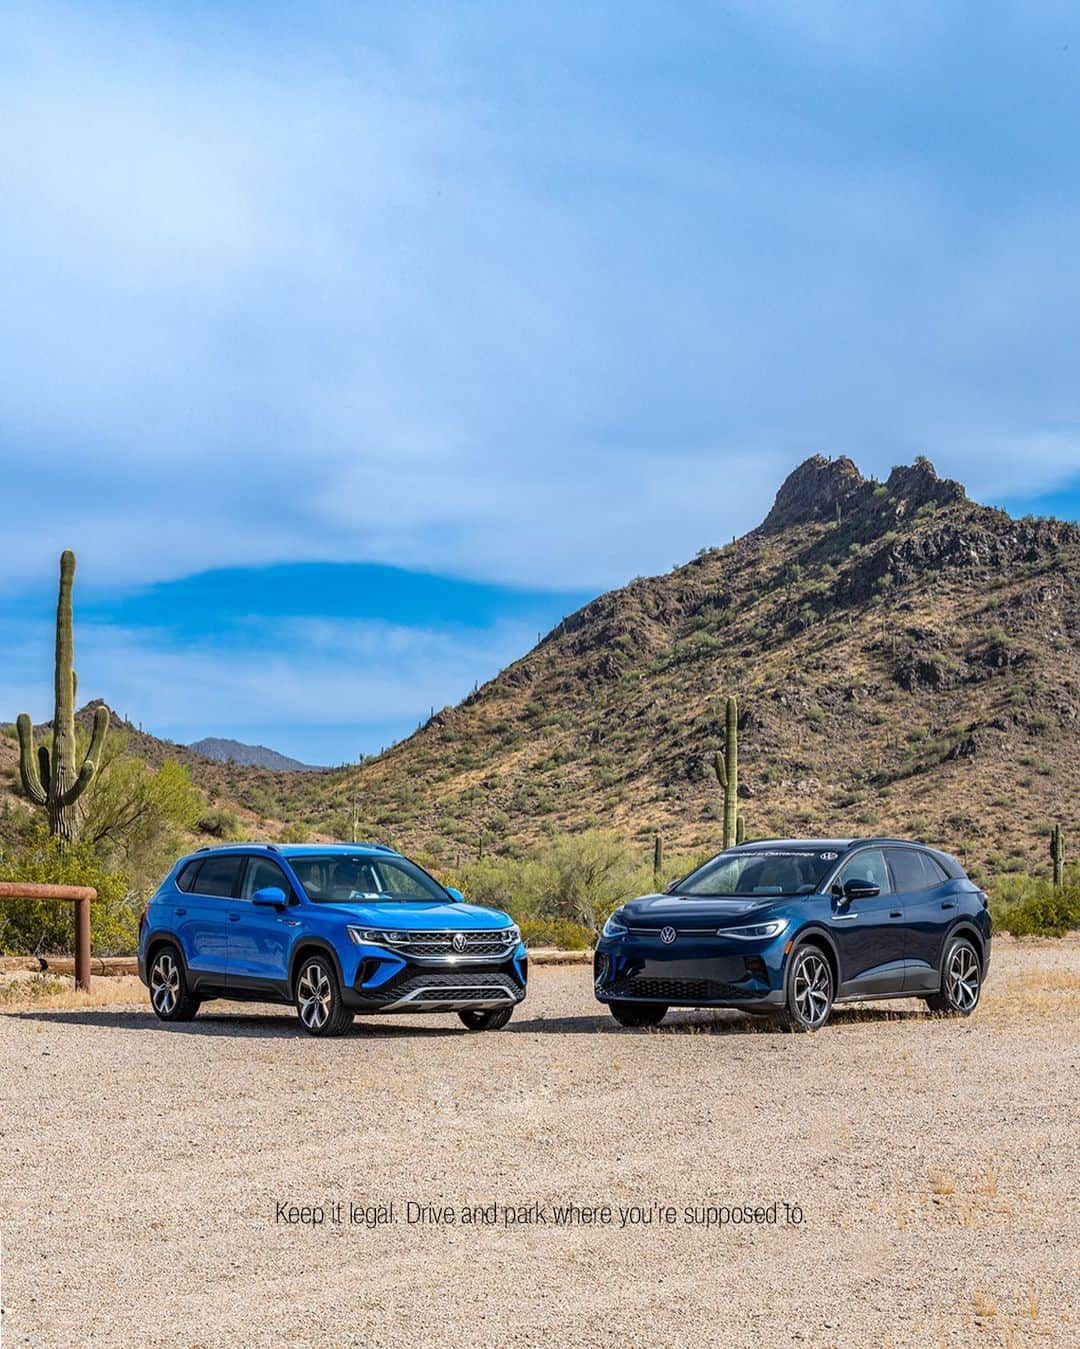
(667, 935)
(458, 941)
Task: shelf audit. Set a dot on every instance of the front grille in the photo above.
(442, 943)
(675, 990)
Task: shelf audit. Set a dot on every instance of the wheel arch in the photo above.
(156, 942)
(964, 927)
(822, 939)
(313, 946)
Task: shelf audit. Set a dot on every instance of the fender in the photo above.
(815, 929)
(964, 927)
(159, 937)
(323, 947)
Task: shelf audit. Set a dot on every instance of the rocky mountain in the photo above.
(252, 756)
(905, 659)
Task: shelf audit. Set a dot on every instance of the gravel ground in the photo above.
(932, 1162)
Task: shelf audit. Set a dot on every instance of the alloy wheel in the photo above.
(811, 989)
(165, 984)
(313, 996)
(962, 979)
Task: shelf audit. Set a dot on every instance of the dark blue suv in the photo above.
(793, 926)
(336, 929)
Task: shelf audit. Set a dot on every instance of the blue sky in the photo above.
(350, 346)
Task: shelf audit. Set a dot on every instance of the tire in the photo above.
(485, 1018)
(319, 1005)
(638, 1013)
(169, 994)
(810, 989)
(961, 980)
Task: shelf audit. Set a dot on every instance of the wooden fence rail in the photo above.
(82, 896)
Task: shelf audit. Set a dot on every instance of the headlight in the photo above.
(366, 936)
(614, 928)
(758, 932)
(512, 934)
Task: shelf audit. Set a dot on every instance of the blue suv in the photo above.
(793, 926)
(335, 929)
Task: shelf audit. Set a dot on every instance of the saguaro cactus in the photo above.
(727, 773)
(658, 862)
(1057, 855)
(51, 779)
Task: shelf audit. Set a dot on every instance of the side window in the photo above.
(219, 875)
(907, 867)
(261, 872)
(186, 880)
(867, 866)
(935, 872)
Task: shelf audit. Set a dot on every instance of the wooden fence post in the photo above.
(82, 896)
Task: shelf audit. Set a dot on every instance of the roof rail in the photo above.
(216, 847)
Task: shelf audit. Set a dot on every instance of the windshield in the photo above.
(761, 872)
(341, 878)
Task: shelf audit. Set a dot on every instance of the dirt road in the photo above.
(909, 1180)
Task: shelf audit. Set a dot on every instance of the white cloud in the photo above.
(292, 296)
(304, 679)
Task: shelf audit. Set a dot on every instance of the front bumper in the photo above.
(384, 981)
(696, 970)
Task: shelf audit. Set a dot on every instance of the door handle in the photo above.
(290, 922)
(948, 904)
(896, 913)
(180, 913)
(234, 917)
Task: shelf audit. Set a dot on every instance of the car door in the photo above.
(928, 911)
(869, 932)
(260, 938)
(202, 919)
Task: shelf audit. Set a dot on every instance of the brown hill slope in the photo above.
(906, 661)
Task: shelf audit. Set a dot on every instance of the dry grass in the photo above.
(58, 992)
(941, 1183)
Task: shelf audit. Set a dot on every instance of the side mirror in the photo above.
(455, 894)
(857, 888)
(270, 897)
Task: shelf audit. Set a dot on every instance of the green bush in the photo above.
(571, 879)
(220, 822)
(560, 932)
(31, 926)
(1033, 908)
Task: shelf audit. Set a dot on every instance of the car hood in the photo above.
(686, 911)
(399, 915)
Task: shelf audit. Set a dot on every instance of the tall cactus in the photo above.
(658, 862)
(51, 779)
(1057, 855)
(727, 773)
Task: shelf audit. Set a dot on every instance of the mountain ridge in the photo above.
(226, 750)
(906, 661)
(886, 640)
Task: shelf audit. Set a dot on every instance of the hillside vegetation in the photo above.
(906, 661)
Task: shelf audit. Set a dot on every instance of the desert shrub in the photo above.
(560, 932)
(220, 822)
(575, 880)
(137, 817)
(30, 926)
(1033, 908)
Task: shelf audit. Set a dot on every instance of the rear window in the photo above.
(914, 870)
(218, 876)
(186, 880)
